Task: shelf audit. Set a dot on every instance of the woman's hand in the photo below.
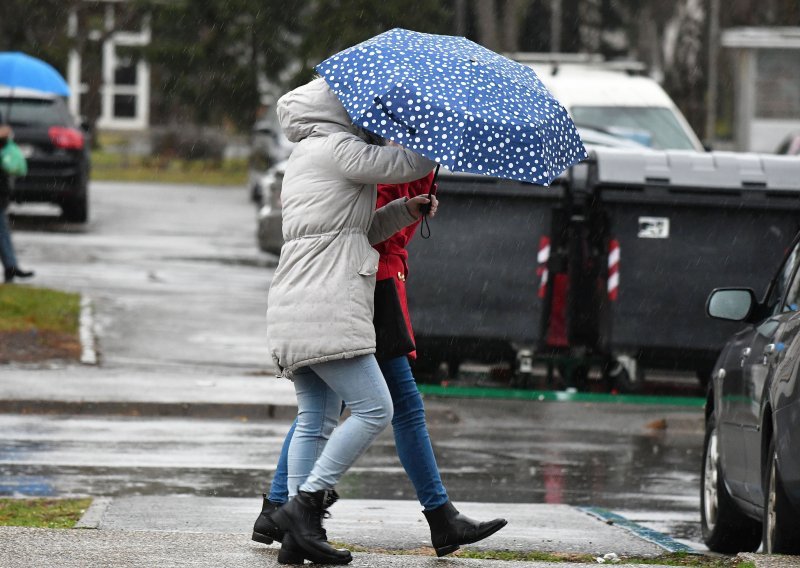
(415, 205)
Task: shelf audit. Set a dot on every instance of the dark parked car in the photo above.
(57, 151)
(270, 224)
(268, 146)
(750, 489)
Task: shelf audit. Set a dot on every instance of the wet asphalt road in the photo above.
(606, 456)
(178, 284)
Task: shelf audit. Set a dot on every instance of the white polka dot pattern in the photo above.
(457, 103)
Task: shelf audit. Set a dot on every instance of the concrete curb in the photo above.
(93, 516)
(86, 330)
(151, 409)
(211, 410)
(658, 538)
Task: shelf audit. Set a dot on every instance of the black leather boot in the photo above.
(265, 530)
(450, 529)
(304, 538)
(11, 273)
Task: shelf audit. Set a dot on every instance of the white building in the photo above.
(766, 88)
(125, 88)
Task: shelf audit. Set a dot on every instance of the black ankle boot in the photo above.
(265, 530)
(450, 529)
(11, 273)
(304, 538)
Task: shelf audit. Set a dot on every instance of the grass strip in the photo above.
(24, 308)
(557, 396)
(42, 513)
(108, 166)
(690, 560)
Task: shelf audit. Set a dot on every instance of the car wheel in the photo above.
(781, 529)
(725, 527)
(76, 209)
(256, 194)
(621, 380)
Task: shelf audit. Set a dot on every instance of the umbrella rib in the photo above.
(393, 117)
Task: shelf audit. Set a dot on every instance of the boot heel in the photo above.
(443, 550)
(262, 538)
(290, 553)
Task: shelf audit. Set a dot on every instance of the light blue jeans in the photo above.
(410, 435)
(318, 454)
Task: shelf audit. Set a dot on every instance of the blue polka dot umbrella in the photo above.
(457, 103)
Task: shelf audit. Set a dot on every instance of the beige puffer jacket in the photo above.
(320, 304)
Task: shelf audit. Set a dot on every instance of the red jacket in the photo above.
(394, 256)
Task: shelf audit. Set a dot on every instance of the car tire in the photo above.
(725, 527)
(781, 529)
(257, 194)
(621, 381)
(76, 209)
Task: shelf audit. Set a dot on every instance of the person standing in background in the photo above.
(8, 257)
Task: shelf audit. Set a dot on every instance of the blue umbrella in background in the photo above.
(18, 70)
(21, 71)
(455, 102)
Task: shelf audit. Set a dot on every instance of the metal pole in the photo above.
(713, 70)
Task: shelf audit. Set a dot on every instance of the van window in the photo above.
(655, 127)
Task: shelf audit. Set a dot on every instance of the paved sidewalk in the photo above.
(52, 548)
(96, 390)
(385, 524)
(176, 531)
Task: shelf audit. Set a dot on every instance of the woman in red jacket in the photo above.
(449, 528)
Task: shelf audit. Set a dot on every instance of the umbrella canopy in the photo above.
(18, 70)
(455, 102)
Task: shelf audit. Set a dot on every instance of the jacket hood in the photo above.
(313, 110)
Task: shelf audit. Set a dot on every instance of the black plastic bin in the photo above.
(474, 286)
(685, 223)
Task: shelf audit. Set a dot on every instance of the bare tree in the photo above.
(486, 12)
(500, 23)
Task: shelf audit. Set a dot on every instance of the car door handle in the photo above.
(745, 354)
(771, 352)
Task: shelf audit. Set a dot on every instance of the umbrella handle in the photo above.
(424, 227)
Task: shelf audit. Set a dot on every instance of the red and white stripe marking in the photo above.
(542, 258)
(613, 269)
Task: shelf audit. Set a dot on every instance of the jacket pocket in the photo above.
(369, 266)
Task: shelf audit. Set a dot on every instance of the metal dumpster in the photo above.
(678, 225)
(474, 286)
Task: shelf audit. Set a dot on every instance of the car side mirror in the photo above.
(83, 124)
(732, 304)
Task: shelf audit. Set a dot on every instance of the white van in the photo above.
(614, 100)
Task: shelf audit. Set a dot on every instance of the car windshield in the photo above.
(655, 127)
(33, 112)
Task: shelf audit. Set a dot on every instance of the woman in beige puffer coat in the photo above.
(320, 306)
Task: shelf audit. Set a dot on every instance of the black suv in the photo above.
(57, 151)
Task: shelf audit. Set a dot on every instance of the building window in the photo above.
(777, 87)
(125, 71)
(124, 106)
